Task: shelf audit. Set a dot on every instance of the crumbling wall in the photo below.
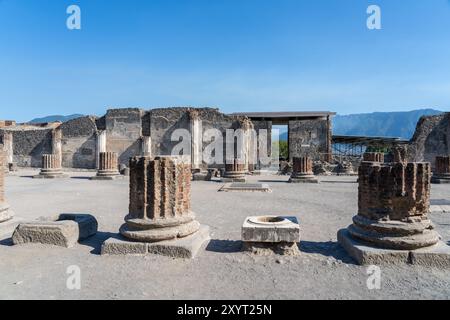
(309, 137)
(79, 143)
(29, 146)
(431, 139)
(123, 132)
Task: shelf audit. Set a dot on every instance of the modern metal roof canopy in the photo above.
(285, 115)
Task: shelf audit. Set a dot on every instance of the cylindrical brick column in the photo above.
(373, 157)
(5, 213)
(302, 170)
(51, 167)
(108, 165)
(393, 206)
(160, 207)
(235, 170)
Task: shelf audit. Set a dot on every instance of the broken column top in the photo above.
(398, 191)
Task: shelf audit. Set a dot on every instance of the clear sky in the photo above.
(238, 55)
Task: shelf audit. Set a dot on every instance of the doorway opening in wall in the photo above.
(280, 139)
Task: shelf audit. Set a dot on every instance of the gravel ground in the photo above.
(220, 271)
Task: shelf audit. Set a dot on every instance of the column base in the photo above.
(306, 178)
(437, 255)
(186, 247)
(50, 174)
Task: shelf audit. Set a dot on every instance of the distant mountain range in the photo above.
(380, 124)
(384, 124)
(56, 118)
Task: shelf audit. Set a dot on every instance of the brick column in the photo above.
(393, 204)
(108, 168)
(159, 209)
(235, 171)
(441, 173)
(51, 167)
(5, 213)
(302, 171)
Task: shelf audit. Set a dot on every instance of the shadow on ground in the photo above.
(327, 249)
(336, 181)
(96, 241)
(440, 202)
(80, 178)
(273, 181)
(224, 246)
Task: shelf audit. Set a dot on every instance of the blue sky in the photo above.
(238, 55)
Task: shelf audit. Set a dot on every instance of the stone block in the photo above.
(437, 256)
(367, 255)
(245, 187)
(63, 230)
(180, 248)
(271, 229)
(7, 227)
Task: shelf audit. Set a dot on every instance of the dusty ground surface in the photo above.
(220, 271)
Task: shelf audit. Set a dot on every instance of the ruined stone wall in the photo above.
(431, 139)
(79, 143)
(309, 137)
(123, 132)
(30, 145)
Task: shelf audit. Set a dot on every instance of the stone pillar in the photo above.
(146, 146)
(441, 173)
(196, 138)
(5, 213)
(159, 220)
(393, 202)
(51, 167)
(101, 145)
(373, 157)
(108, 167)
(8, 148)
(249, 144)
(235, 172)
(160, 208)
(56, 142)
(302, 171)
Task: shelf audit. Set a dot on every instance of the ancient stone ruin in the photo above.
(108, 167)
(345, 168)
(160, 219)
(235, 171)
(51, 167)
(271, 234)
(7, 221)
(302, 171)
(63, 230)
(373, 157)
(393, 207)
(441, 173)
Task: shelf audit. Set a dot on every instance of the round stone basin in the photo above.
(268, 220)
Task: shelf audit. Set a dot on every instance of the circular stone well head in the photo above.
(268, 220)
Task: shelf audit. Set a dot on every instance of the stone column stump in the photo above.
(302, 171)
(235, 171)
(392, 224)
(160, 219)
(8, 222)
(108, 168)
(51, 167)
(442, 172)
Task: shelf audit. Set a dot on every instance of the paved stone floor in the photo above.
(220, 271)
